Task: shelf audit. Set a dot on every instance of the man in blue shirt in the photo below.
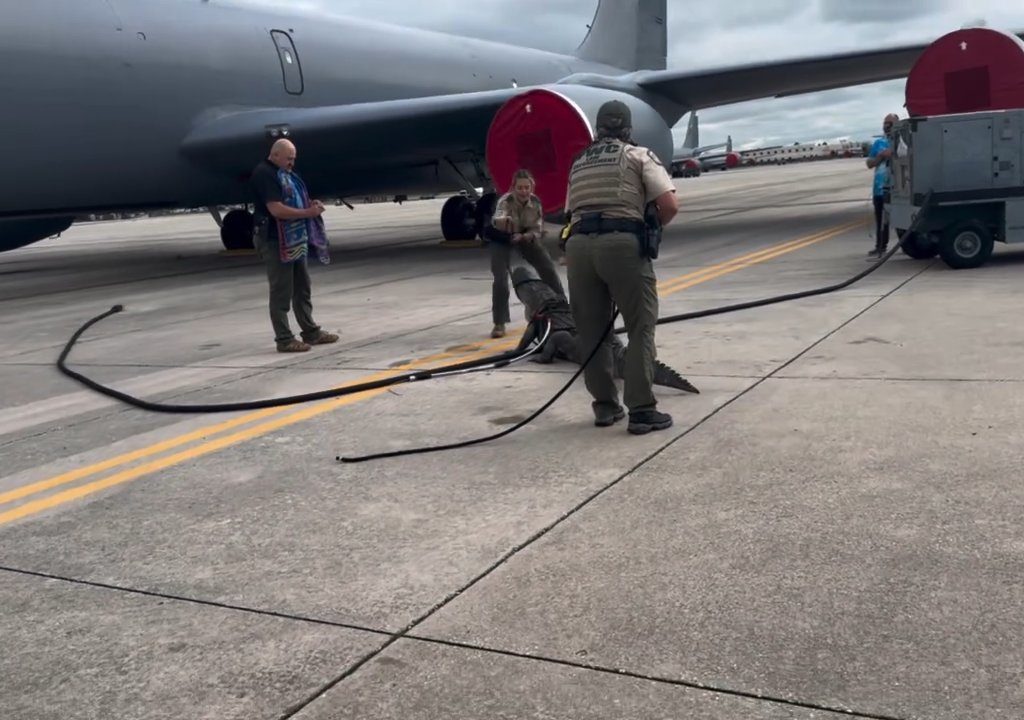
(879, 160)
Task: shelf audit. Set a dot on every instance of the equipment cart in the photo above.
(973, 165)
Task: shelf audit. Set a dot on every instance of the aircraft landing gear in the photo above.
(463, 218)
(458, 219)
(236, 230)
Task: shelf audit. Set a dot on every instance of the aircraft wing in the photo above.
(709, 88)
(399, 132)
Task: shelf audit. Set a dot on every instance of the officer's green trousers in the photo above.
(602, 270)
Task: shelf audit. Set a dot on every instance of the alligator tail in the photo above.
(664, 375)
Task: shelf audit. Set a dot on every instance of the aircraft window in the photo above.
(289, 59)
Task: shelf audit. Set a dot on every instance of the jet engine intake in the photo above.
(544, 128)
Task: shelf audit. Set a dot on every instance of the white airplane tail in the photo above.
(628, 34)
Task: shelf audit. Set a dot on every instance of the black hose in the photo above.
(661, 321)
(485, 363)
(773, 300)
(503, 433)
(490, 362)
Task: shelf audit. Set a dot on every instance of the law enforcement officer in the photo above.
(610, 184)
(519, 220)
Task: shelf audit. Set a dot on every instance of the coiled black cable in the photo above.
(491, 362)
(503, 433)
(485, 363)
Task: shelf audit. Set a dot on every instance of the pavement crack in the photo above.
(405, 632)
(878, 378)
(392, 637)
(194, 601)
(689, 684)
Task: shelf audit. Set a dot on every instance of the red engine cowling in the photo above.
(732, 159)
(966, 71)
(542, 130)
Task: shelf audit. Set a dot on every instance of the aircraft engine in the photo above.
(543, 129)
(732, 159)
(691, 167)
(16, 233)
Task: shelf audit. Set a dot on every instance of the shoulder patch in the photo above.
(654, 158)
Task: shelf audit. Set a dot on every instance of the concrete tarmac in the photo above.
(830, 529)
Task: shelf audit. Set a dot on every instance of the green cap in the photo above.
(613, 115)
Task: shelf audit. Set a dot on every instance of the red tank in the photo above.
(967, 71)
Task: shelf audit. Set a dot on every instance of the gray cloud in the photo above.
(713, 33)
(878, 11)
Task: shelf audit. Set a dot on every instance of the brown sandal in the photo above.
(324, 338)
(292, 346)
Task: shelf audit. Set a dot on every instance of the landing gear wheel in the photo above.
(458, 219)
(236, 230)
(966, 244)
(484, 210)
(919, 247)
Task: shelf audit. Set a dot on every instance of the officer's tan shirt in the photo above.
(526, 217)
(654, 178)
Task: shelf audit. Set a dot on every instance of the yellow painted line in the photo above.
(675, 286)
(712, 271)
(202, 433)
(737, 260)
(75, 493)
(489, 346)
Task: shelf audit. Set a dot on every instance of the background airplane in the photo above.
(720, 160)
(684, 160)
(121, 105)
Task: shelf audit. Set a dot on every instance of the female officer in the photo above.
(520, 214)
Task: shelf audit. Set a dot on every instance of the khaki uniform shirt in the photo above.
(526, 217)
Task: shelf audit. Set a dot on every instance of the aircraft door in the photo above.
(290, 67)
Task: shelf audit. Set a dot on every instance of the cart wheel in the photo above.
(917, 246)
(966, 244)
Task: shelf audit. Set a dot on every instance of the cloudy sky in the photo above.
(716, 33)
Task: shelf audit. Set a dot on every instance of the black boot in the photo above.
(644, 421)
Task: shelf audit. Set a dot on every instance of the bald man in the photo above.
(287, 224)
(878, 160)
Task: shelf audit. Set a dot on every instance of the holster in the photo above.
(648, 237)
(652, 232)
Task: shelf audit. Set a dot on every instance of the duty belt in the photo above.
(595, 223)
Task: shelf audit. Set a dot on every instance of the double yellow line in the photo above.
(711, 272)
(481, 349)
(272, 419)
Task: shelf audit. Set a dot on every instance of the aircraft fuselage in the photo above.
(108, 89)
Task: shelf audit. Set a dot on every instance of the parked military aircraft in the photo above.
(684, 160)
(121, 105)
(720, 160)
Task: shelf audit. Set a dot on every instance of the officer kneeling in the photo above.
(609, 251)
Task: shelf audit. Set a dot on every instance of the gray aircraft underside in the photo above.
(145, 104)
